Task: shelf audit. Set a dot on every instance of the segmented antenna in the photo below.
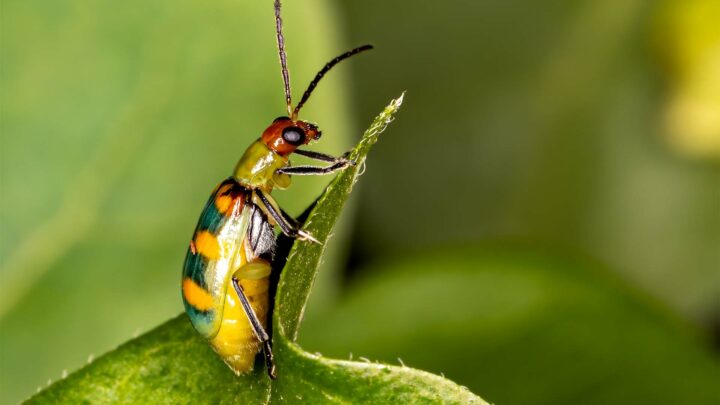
(322, 72)
(283, 56)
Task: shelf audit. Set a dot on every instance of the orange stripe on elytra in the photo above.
(207, 245)
(222, 203)
(196, 295)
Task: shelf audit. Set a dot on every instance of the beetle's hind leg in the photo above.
(258, 329)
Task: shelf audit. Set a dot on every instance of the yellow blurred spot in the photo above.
(207, 245)
(196, 295)
(688, 36)
(693, 115)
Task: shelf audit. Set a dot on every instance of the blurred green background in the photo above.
(541, 223)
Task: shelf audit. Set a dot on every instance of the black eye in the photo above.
(294, 135)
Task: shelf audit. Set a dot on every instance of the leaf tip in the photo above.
(398, 101)
(394, 105)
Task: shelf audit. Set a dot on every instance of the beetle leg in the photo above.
(338, 163)
(258, 329)
(271, 208)
(290, 219)
(324, 157)
(314, 170)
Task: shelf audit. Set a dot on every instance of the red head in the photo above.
(284, 135)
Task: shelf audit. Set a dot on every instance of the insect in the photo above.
(225, 278)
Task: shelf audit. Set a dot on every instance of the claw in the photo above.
(302, 235)
(344, 159)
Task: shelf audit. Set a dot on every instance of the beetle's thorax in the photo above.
(258, 165)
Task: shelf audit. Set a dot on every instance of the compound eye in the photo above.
(294, 135)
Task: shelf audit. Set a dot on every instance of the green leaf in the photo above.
(521, 327)
(172, 364)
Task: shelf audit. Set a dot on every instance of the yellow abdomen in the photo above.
(236, 342)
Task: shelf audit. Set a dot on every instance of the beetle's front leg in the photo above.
(338, 163)
(324, 157)
(271, 208)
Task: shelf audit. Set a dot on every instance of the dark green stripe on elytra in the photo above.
(201, 320)
(195, 265)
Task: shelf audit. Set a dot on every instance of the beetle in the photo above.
(226, 275)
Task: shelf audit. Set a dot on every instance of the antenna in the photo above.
(321, 73)
(283, 56)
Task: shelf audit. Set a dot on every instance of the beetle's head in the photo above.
(285, 135)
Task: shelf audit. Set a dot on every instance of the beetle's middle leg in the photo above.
(270, 207)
